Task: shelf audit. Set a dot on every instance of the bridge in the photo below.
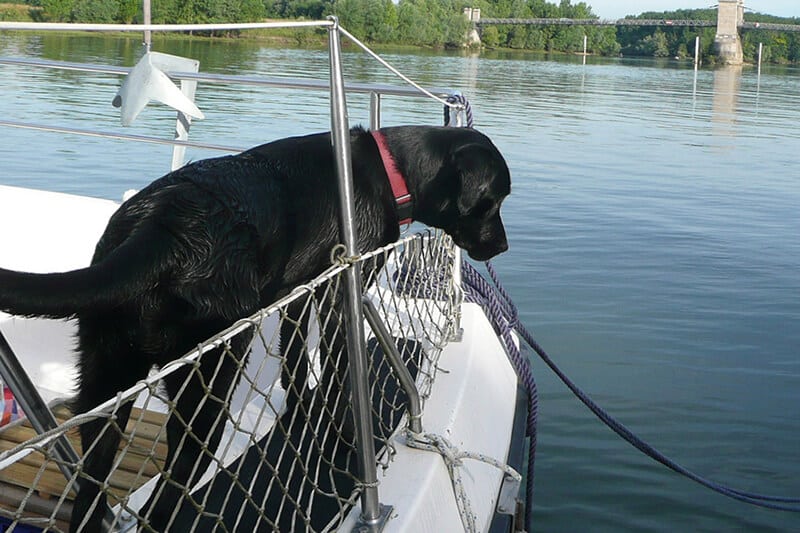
(636, 22)
(596, 22)
(730, 22)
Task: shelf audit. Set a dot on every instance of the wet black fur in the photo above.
(220, 238)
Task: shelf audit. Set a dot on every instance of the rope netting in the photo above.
(258, 432)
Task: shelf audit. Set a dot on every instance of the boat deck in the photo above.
(38, 477)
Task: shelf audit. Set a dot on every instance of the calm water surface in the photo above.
(655, 245)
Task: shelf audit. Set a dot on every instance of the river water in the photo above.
(654, 227)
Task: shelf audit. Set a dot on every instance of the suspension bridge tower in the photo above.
(728, 42)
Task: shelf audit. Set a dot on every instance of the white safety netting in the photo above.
(260, 436)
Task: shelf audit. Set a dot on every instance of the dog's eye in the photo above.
(482, 208)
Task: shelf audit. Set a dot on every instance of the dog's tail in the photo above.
(106, 284)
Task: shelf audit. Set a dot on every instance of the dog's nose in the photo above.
(487, 250)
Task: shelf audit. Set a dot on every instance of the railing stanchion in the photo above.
(373, 515)
(375, 110)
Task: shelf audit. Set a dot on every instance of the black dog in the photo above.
(218, 239)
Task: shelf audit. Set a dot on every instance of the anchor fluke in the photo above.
(147, 81)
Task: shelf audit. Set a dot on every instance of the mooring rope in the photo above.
(496, 300)
(503, 316)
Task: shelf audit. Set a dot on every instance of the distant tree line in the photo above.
(677, 41)
(162, 11)
(441, 23)
(556, 38)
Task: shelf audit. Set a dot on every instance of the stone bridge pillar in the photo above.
(727, 42)
(473, 14)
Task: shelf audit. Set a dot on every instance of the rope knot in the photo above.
(453, 456)
(365, 485)
(339, 257)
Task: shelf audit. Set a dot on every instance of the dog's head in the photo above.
(464, 197)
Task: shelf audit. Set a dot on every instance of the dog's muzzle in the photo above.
(487, 251)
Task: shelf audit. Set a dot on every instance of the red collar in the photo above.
(396, 180)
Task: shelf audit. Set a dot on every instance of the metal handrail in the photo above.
(374, 90)
(232, 26)
(396, 361)
(278, 82)
(118, 136)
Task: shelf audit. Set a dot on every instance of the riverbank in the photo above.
(530, 41)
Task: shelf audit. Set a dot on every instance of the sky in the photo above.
(614, 9)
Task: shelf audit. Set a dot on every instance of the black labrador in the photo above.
(218, 239)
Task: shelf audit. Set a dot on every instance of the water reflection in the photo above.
(724, 100)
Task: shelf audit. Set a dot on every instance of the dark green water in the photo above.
(655, 244)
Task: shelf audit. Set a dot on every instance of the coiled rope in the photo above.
(494, 299)
(457, 103)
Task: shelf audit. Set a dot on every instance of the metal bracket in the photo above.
(509, 492)
(377, 525)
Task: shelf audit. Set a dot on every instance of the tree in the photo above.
(431, 22)
(99, 11)
(58, 10)
(490, 37)
(654, 45)
(603, 41)
(128, 11)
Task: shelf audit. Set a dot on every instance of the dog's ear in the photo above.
(475, 164)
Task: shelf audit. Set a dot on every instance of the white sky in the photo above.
(613, 9)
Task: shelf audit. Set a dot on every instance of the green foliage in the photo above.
(58, 10)
(128, 11)
(654, 45)
(441, 23)
(99, 11)
(369, 20)
(20, 12)
(431, 22)
(551, 38)
(779, 47)
(490, 37)
(307, 9)
(163, 11)
(419, 22)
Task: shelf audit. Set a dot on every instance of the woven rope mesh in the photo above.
(263, 411)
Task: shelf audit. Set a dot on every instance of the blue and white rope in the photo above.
(457, 104)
